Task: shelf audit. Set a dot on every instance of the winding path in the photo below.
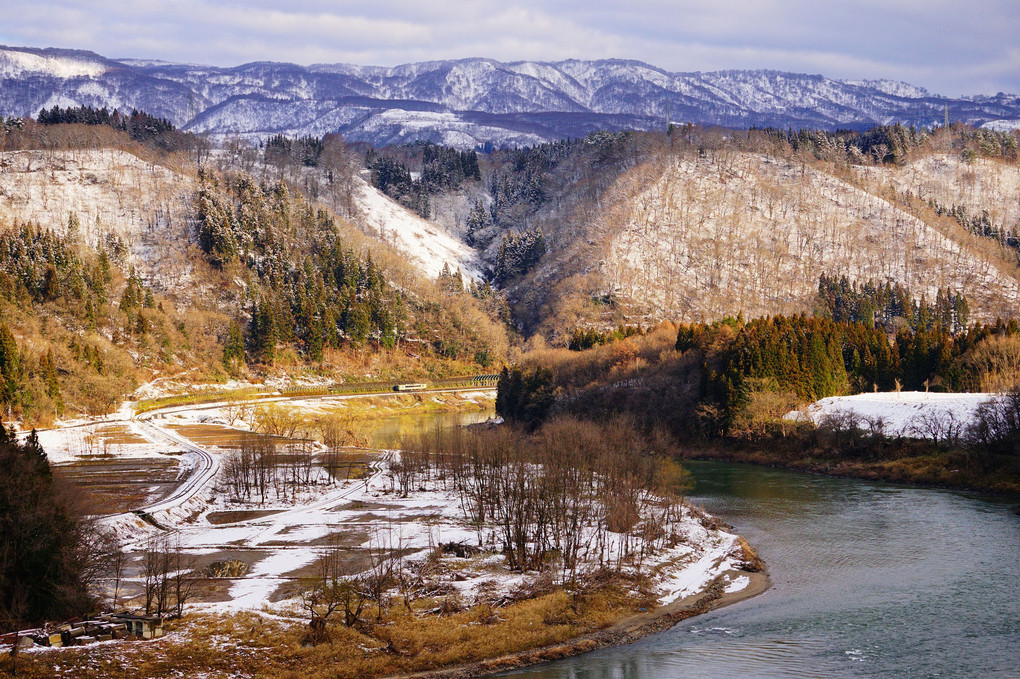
(202, 473)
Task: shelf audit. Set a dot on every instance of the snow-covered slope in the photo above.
(909, 413)
(710, 237)
(468, 101)
(18, 64)
(428, 245)
(146, 205)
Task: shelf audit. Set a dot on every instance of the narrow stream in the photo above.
(869, 580)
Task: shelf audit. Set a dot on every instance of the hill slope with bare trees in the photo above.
(707, 227)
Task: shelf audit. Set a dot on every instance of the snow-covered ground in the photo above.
(907, 413)
(428, 245)
(280, 540)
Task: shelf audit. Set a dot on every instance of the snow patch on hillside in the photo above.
(429, 246)
(111, 192)
(1002, 125)
(904, 413)
(16, 64)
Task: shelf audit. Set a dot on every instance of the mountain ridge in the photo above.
(524, 102)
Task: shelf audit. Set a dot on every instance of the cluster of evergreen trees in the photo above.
(891, 305)
(980, 225)
(442, 169)
(582, 339)
(139, 125)
(516, 186)
(307, 285)
(38, 267)
(281, 150)
(49, 555)
(48, 275)
(518, 253)
(392, 177)
(525, 396)
(478, 220)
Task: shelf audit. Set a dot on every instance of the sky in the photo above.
(947, 46)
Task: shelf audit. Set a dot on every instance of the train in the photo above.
(410, 387)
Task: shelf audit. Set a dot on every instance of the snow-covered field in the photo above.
(280, 539)
(908, 413)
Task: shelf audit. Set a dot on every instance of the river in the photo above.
(390, 432)
(869, 580)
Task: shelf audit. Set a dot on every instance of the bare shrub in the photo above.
(996, 425)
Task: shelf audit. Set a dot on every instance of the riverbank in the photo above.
(402, 644)
(626, 631)
(906, 461)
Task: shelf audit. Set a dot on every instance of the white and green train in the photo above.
(410, 387)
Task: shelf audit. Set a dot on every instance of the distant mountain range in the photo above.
(469, 101)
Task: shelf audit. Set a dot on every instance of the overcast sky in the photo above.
(948, 46)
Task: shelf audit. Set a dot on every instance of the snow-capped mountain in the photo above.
(466, 102)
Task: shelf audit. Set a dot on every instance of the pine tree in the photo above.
(233, 349)
(10, 368)
(49, 371)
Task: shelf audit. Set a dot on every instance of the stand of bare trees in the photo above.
(168, 574)
(251, 471)
(258, 470)
(573, 494)
(337, 432)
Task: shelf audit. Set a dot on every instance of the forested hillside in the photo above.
(306, 253)
(698, 225)
(122, 261)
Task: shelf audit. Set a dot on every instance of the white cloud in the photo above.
(947, 46)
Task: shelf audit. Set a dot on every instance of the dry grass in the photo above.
(249, 645)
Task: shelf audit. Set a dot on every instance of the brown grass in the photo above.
(248, 645)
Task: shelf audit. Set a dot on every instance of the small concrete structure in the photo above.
(144, 626)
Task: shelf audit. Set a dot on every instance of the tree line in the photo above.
(139, 125)
(735, 375)
(51, 553)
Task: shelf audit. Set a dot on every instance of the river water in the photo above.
(390, 432)
(869, 580)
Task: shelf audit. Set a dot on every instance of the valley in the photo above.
(331, 408)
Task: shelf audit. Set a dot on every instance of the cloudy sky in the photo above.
(950, 47)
